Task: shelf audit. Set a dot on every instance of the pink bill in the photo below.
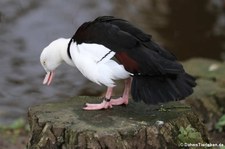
(48, 78)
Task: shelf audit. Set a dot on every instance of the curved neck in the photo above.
(64, 52)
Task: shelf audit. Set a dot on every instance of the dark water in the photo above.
(188, 28)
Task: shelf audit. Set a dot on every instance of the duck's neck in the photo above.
(64, 52)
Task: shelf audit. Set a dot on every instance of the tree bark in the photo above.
(64, 125)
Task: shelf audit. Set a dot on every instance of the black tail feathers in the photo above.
(158, 89)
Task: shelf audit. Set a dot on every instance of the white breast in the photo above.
(94, 62)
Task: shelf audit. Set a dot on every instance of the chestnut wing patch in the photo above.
(129, 64)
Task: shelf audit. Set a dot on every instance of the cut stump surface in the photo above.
(65, 125)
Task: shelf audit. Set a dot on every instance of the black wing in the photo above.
(134, 49)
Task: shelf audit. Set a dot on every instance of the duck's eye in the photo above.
(44, 62)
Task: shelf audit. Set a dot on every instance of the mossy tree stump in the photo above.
(64, 125)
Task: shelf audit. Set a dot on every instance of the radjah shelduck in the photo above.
(109, 49)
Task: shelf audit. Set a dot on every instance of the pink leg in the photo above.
(124, 99)
(104, 105)
(108, 102)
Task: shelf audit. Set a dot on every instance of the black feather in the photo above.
(158, 76)
(153, 90)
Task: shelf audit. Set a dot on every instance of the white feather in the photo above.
(94, 62)
(95, 51)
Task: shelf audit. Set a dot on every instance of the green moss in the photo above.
(15, 125)
(189, 135)
(220, 124)
(13, 131)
